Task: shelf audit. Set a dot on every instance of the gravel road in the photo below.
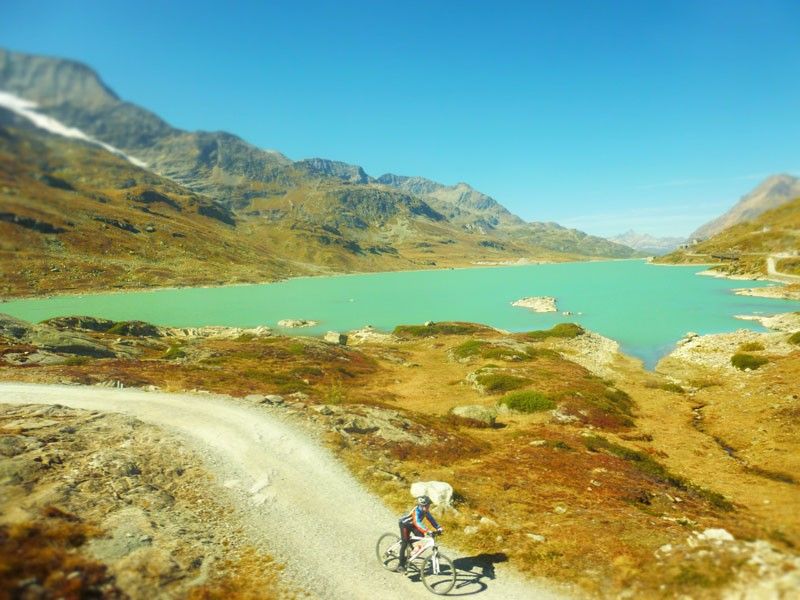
(297, 501)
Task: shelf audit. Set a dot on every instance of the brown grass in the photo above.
(47, 553)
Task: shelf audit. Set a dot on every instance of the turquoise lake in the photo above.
(646, 308)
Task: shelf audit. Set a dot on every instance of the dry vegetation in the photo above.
(585, 493)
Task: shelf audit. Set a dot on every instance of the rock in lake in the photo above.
(537, 303)
(294, 323)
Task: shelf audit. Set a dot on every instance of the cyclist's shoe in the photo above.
(400, 569)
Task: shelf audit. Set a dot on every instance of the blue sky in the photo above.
(598, 115)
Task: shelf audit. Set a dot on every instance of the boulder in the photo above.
(33, 358)
(134, 329)
(439, 492)
(79, 322)
(368, 334)
(68, 342)
(334, 337)
(12, 327)
(537, 303)
(476, 412)
(294, 323)
(718, 535)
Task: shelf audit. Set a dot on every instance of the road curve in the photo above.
(297, 501)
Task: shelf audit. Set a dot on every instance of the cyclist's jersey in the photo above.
(415, 519)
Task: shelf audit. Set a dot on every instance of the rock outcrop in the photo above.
(537, 303)
(295, 323)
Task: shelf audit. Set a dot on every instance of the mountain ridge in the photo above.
(771, 193)
(316, 215)
(645, 242)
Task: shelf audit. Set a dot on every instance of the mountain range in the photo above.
(647, 243)
(294, 217)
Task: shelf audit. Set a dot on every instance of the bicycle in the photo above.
(436, 572)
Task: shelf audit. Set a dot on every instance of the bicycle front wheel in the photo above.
(388, 551)
(438, 574)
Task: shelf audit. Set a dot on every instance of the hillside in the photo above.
(770, 193)
(564, 455)
(743, 249)
(273, 217)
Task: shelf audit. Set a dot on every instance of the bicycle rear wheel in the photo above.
(388, 551)
(438, 574)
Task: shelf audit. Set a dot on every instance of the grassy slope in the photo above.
(775, 231)
(184, 248)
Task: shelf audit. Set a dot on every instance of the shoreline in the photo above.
(4, 300)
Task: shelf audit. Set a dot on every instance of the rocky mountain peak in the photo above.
(773, 192)
(51, 81)
(334, 168)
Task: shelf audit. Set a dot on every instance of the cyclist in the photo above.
(414, 522)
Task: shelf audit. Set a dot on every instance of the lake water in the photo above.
(646, 308)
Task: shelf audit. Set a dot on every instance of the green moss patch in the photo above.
(751, 347)
(528, 401)
(469, 348)
(744, 361)
(412, 331)
(496, 383)
(667, 386)
(562, 330)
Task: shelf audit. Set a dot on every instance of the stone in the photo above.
(476, 412)
(487, 522)
(562, 417)
(560, 510)
(11, 327)
(334, 337)
(273, 399)
(471, 530)
(294, 323)
(33, 358)
(720, 535)
(440, 492)
(64, 342)
(80, 322)
(537, 303)
(535, 537)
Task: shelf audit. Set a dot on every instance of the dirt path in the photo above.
(772, 268)
(298, 502)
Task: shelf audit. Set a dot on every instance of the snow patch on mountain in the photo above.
(26, 109)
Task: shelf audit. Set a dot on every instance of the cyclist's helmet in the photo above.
(423, 501)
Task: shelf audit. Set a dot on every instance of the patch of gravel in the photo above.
(592, 351)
